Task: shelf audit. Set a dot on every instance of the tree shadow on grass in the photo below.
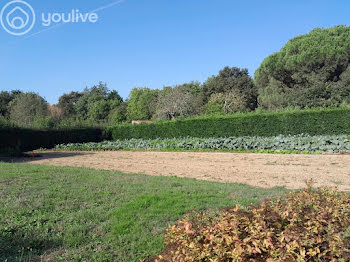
(30, 157)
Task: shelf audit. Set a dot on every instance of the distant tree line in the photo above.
(232, 90)
(310, 71)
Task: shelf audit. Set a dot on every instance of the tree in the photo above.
(223, 103)
(5, 100)
(114, 96)
(118, 114)
(27, 108)
(274, 97)
(99, 111)
(236, 84)
(141, 104)
(176, 102)
(67, 102)
(96, 103)
(89, 97)
(55, 112)
(82, 106)
(310, 70)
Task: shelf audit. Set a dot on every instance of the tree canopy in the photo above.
(5, 99)
(178, 101)
(141, 103)
(27, 108)
(93, 104)
(311, 70)
(236, 88)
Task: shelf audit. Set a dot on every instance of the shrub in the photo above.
(312, 122)
(302, 226)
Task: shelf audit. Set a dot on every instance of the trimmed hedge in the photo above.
(312, 122)
(21, 140)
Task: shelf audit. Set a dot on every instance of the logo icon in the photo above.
(17, 17)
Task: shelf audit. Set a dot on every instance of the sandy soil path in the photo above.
(263, 170)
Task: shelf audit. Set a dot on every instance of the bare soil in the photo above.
(263, 170)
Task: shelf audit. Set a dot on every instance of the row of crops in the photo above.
(297, 143)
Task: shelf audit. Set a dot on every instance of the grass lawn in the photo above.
(87, 215)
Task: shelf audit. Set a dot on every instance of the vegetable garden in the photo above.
(278, 144)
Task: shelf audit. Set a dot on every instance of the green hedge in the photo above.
(20, 140)
(312, 122)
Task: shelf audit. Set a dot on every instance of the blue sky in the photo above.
(153, 43)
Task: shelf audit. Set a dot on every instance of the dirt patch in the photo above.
(263, 170)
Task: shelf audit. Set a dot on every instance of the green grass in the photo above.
(87, 215)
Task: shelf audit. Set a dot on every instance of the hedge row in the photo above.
(312, 122)
(21, 140)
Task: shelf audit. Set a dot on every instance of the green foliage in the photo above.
(89, 97)
(73, 123)
(215, 105)
(99, 110)
(26, 108)
(5, 100)
(77, 214)
(236, 85)
(177, 102)
(223, 103)
(310, 71)
(312, 122)
(141, 104)
(118, 114)
(44, 123)
(21, 140)
(114, 96)
(4, 122)
(67, 103)
(298, 143)
(274, 96)
(95, 104)
(303, 226)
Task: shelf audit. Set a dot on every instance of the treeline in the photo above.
(92, 107)
(231, 91)
(310, 71)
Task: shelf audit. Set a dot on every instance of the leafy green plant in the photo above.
(294, 144)
(310, 225)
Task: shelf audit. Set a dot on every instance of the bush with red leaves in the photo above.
(309, 225)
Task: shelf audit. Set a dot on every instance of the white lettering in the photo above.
(46, 22)
(93, 17)
(56, 18)
(73, 17)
